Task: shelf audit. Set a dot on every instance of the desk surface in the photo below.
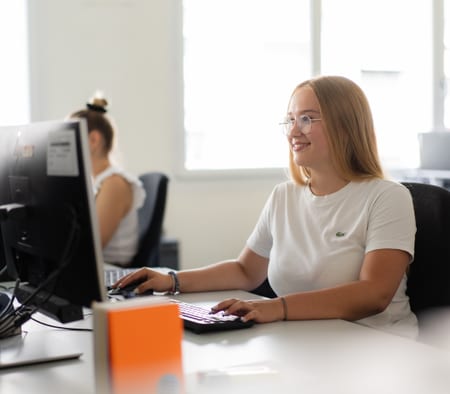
(328, 356)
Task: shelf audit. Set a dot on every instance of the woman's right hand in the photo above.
(147, 280)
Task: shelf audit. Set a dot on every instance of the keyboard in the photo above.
(199, 319)
(195, 318)
(114, 274)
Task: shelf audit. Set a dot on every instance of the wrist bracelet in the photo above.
(283, 302)
(176, 283)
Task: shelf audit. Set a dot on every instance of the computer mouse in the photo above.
(128, 290)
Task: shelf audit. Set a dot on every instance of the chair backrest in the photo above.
(151, 217)
(429, 273)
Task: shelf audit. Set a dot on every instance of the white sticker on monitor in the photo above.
(62, 157)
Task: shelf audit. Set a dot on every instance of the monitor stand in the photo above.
(55, 307)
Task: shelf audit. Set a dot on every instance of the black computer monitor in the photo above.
(48, 221)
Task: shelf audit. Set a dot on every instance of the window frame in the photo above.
(438, 89)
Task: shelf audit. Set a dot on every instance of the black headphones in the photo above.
(6, 311)
(5, 304)
(11, 319)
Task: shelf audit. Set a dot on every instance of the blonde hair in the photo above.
(348, 127)
(95, 115)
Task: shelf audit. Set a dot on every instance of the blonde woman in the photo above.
(336, 240)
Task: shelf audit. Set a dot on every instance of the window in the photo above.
(388, 53)
(243, 58)
(14, 90)
(443, 73)
(241, 62)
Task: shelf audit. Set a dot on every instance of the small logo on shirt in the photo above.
(340, 234)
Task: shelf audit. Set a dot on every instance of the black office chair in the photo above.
(429, 273)
(265, 290)
(151, 217)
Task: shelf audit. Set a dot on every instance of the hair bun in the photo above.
(97, 102)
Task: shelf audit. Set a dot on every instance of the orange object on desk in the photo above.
(142, 344)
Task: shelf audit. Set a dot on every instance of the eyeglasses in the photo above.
(304, 123)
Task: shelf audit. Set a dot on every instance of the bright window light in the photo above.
(392, 62)
(14, 81)
(242, 60)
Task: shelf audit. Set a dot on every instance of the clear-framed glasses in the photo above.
(304, 123)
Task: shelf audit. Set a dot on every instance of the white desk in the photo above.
(329, 356)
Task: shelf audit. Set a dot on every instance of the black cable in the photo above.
(11, 320)
(67, 254)
(61, 327)
(7, 326)
(11, 300)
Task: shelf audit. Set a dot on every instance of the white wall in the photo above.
(131, 49)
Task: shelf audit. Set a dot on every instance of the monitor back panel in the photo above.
(435, 150)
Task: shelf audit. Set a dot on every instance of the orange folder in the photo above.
(138, 347)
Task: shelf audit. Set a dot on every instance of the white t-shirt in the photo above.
(123, 245)
(315, 242)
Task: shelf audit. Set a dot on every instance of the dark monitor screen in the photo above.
(48, 220)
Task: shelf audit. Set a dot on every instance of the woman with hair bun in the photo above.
(118, 194)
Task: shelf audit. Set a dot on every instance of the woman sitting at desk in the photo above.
(118, 194)
(336, 240)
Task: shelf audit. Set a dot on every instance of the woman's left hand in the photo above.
(260, 311)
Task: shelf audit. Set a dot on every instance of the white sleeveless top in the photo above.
(124, 243)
